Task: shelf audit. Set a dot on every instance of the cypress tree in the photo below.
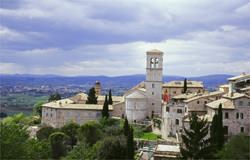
(105, 109)
(130, 143)
(126, 127)
(219, 129)
(110, 97)
(92, 98)
(185, 86)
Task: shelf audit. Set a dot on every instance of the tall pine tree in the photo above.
(195, 146)
(92, 98)
(185, 86)
(110, 97)
(105, 109)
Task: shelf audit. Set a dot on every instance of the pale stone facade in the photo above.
(57, 114)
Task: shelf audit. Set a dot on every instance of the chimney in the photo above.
(230, 92)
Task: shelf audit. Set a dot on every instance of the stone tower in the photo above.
(154, 81)
(97, 88)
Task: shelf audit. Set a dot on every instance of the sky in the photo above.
(107, 37)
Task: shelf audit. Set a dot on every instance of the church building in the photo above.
(142, 103)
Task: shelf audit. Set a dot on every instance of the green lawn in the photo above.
(150, 136)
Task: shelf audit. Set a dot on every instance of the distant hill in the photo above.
(126, 81)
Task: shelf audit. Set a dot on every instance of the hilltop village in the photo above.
(165, 107)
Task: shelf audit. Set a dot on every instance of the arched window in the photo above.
(152, 62)
(156, 63)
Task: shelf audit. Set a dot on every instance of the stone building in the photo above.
(235, 107)
(58, 113)
(141, 103)
(182, 105)
(236, 113)
(175, 88)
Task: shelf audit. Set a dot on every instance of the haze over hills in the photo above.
(127, 81)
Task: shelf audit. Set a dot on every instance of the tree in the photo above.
(38, 149)
(55, 97)
(82, 151)
(185, 86)
(195, 146)
(92, 98)
(220, 129)
(130, 144)
(70, 130)
(112, 148)
(38, 108)
(110, 97)
(238, 147)
(126, 127)
(105, 109)
(44, 132)
(57, 142)
(89, 133)
(13, 139)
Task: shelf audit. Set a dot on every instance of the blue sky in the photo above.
(94, 37)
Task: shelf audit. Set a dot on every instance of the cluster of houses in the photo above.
(166, 101)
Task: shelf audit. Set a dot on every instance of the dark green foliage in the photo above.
(126, 127)
(3, 114)
(130, 144)
(110, 97)
(220, 129)
(89, 133)
(195, 146)
(70, 130)
(38, 149)
(55, 97)
(45, 132)
(58, 146)
(38, 108)
(112, 148)
(13, 139)
(81, 152)
(238, 147)
(105, 109)
(92, 98)
(185, 86)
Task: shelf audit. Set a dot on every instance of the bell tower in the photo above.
(154, 81)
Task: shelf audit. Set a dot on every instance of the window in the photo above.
(198, 102)
(241, 115)
(240, 103)
(153, 104)
(248, 103)
(153, 85)
(225, 130)
(152, 93)
(242, 129)
(179, 110)
(177, 121)
(174, 92)
(167, 109)
(156, 63)
(205, 102)
(185, 109)
(226, 115)
(237, 115)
